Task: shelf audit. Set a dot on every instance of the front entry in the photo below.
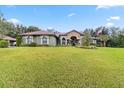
(74, 40)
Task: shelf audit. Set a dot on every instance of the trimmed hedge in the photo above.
(33, 44)
(3, 43)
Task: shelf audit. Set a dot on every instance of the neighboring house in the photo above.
(11, 41)
(52, 38)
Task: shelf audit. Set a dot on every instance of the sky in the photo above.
(64, 18)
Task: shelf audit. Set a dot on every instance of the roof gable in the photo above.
(72, 31)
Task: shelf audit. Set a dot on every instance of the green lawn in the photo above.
(61, 67)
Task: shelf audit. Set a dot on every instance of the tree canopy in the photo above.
(10, 29)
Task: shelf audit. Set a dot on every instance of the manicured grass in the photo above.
(61, 67)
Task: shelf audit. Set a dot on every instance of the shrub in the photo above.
(33, 44)
(88, 47)
(3, 43)
(44, 45)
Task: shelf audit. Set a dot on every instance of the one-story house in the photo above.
(72, 37)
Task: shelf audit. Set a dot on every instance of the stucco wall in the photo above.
(51, 40)
(70, 34)
(24, 40)
(38, 38)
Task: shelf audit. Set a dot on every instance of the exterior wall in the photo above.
(51, 40)
(70, 34)
(24, 40)
(93, 40)
(38, 38)
(35, 39)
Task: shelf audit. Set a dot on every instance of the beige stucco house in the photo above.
(72, 37)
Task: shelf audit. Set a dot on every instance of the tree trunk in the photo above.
(104, 44)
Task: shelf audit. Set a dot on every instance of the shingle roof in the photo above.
(38, 33)
(7, 38)
(48, 33)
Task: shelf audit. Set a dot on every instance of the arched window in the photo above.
(29, 39)
(44, 40)
(68, 41)
(63, 41)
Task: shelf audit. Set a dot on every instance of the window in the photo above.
(44, 40)
(63, 41)
(68, 41)
(94, 41)
(29, 40)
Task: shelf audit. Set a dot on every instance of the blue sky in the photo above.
(64, 18)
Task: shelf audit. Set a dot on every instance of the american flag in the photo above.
(99, 31)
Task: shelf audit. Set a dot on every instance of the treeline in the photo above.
(107, 36)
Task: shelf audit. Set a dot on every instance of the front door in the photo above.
(74, 41)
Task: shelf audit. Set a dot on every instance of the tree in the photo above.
(5, 26)
(104, 39)
(113, 42)
(32, 29)
(1, 23)
(13, 30)
(92, 32)
(121, 40)
(18, 40)
(86, 38)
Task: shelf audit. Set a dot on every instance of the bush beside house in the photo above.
(18, 40)
(33, 44)
(3, 43)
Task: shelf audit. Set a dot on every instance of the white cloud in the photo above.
(14, 21)
(113, 18)
(50, 28)
(109, 24)
(71, 14)
(105, 6)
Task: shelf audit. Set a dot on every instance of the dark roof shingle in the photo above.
(48, 33)
(38, 33)
(7, 38)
